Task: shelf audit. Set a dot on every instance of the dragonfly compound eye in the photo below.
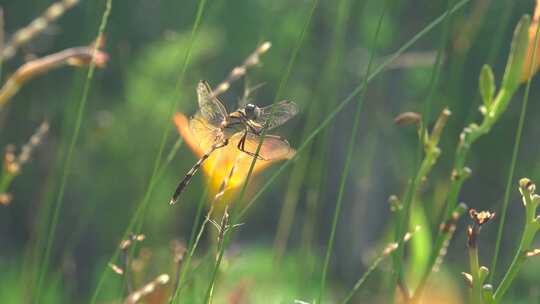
(252, 111)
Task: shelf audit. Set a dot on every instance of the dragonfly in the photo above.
(217, 128)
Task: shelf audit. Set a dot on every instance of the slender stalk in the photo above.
(332, 115)
(76, 56)
(346, 168)
(235, 214)
(476, 290)
(459, 174)
(429, 142)
(5, 180)
(83, 223)
(222, 229)
(530, 231)
(32, 259)
(363, 278)
(192, 246)
(126, 264)
(403, 215)
(13, 163)
(494, 47)
(492, 111)
(69, 158)
(136, 220)
(317, 160)
(386, 252)
(431, 154)
(172, 153)
(513, 162)
(194, 240)
(139, 220)
(531, 227)
(300, 169)
(32, 30)
(148, 289)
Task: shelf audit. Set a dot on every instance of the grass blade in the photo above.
(386, 252)
(69, 157)
(403, 217)
(327, 91)
(332, 115)
(513, 161)
(346, 168)
(137, 219)
(235, 215)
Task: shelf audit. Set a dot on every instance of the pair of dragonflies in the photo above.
(243, 128)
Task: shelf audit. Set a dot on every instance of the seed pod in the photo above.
(408, 118)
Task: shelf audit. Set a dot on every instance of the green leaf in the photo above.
(421, 244)
(487, 85)
(518, 51)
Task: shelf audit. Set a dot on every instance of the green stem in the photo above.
(513, 162)
(460, 173)
(402, 218)
(346, 168)
(137, 219)
(192, 246)
(476, 290)
(236, 214)
(530, 229)
(69, 158)
(473, 132)
(5, 181)
(328, 85)
(402, 213)
(362, 279)
(386, 252)
(360, 88)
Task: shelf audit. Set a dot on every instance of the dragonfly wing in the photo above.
(205, 133)
(211, 108)
(273, 147)
(283, 111)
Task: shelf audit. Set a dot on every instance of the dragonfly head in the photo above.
(252, 111)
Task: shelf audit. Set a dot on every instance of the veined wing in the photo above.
(273, 147)
(211, 109)
(283, 111)
(205, 133)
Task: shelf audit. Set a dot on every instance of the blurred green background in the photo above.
(129, 108)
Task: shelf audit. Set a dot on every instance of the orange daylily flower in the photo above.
(529, 57)
(220, 163)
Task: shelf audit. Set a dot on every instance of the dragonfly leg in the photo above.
(242, 142)
(255, 128)
(241, 147)
(219, 145)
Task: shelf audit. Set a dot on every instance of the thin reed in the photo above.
(300, 145)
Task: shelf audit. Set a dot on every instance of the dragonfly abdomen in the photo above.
(185, 181)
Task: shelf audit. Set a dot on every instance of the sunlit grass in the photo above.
(137, 219)
(236, 215)
(44, 264)
(333, 226)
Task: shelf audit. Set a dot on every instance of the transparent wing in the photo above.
(283, 111)
(211, 109)
(273, 147)
(205, 133)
